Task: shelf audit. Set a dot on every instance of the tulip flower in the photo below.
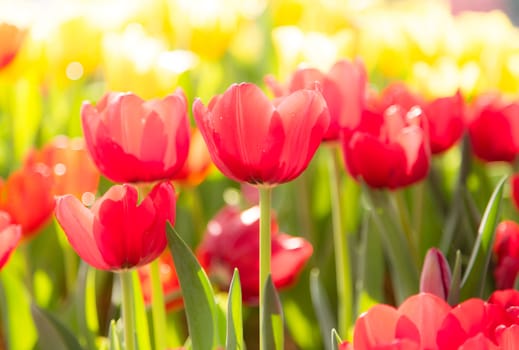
(198, 163)
(132, 140)
(506, 250)
(11, 39)
(27, 196)
(514, 188)
(118, 232)
(494, 129)
(73, 171)
(10, 234)
(232, 241)
(343, 88)
(168, 277)
(389, 148)
(255, 140)
(413, 325)
(436, 274)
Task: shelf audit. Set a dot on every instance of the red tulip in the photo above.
(232, 241)
(73, 171)
(494, 129)
(389, 148)
(132, 140)
(514, 184)
(412, 326)
(10, 234)
(169, 280)
(253, 139)
(445, 121)
(343, 88)
(11, 39)
(506, 250)
(27, 197)
(118, 232)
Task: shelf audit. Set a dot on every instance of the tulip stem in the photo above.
(342, 261)
(265, 251)
(128, 312)
(158, 307)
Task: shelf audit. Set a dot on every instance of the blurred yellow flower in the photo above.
(134, 61)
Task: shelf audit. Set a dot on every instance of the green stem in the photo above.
(127, 308)
(402, 215)
(265, 251)
(342, 262)
(69, 257)
(158, 307)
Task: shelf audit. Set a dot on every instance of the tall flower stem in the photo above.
(265, 249)
(128, 311)
(158, 307)
(342, 261)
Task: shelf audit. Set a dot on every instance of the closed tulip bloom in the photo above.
(506, 251)
(132, 140)
(28, 198)
(255, 140)
(232, 241)
(494, 129)
(118, 232)
(436, 274)
(343, 87)
(389, 149)
(10, 235)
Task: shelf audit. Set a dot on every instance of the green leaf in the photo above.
(115, 336)
(321, 307)
(199, 299)
(272, 327)
(86, 305)
(475, 274)
(234, 337)
(15, 301)
(141, 318)
(454, 290)
(336, 340)
(53, 335)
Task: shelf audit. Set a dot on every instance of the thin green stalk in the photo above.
(69, 257)
(265, 250)
(342, 261)
(402, 215)
(158, 307)
(127, 308)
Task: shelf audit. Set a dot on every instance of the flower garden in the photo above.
(258, 174)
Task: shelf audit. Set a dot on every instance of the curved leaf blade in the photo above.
(234, 334)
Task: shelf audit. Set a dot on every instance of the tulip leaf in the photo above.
(336, 340)
(86, 304)
(272, 326)
(114, 337)
(53, 335)
(321, 307)
(141, 319)
(454, 290)
(234, 337)
(199, 299)
(475, 274)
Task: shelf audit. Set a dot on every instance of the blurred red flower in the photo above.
(27, 196)
(198, 163)
(118, 231)
(132, 140)
(232, 241)
(506, 250)
(169, 279)
(343, 87)
(11, 39)
(72, 169)
(253, 139)
(493, 126)
(10, 235)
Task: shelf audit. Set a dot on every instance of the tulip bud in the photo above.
(436, 274)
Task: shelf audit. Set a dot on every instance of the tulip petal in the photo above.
(77, 222)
